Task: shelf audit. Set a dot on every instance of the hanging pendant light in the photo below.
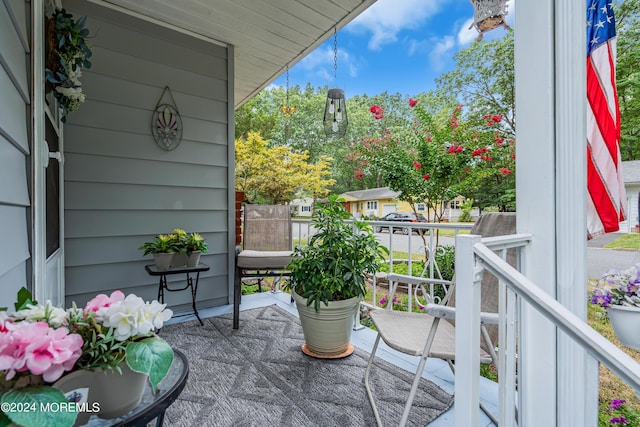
(335, 109)
(488, 15)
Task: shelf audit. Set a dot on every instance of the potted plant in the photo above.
(327, 277)
(162, 247)
(111, 341)
(188, 248)
(619, 293)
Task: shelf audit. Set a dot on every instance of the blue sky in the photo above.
(395, 45)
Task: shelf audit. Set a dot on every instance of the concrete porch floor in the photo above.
(436, 370)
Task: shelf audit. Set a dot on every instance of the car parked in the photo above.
(400, 217)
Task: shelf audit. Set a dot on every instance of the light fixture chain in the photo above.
(335, 53)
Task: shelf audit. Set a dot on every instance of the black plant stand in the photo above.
(191, 283)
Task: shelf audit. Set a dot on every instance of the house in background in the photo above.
(631, 175)
(78, 198)
(302, 207)
(374, 202)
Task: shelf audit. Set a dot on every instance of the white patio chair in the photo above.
(425, 335)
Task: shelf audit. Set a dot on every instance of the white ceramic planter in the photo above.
(626, 324)
(327, 332)
(163, 260)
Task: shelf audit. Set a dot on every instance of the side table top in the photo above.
(152, 269)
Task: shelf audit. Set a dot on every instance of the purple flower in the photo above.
(619, 420)
(383, 301)
(603, 299)
(616, 403)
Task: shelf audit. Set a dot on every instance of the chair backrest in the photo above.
(489, 225)
(267, 228)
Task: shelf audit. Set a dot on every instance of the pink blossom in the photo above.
(505, 171)
(38, 349)
(102, 300)
(377, 111)
(412, 102)
(417, 165)
(426, 176)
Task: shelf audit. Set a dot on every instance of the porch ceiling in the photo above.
(267, 34)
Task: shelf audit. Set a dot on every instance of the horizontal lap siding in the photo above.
(121, 189)
(14, 149)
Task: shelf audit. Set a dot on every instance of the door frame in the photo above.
(43, 288)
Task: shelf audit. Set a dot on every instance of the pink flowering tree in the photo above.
(444, 159)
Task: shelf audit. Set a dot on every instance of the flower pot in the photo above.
(108, 394)
(118, 394)
(626, 324)
(193, 259)
(327, 331)
(78, 387)
(163, 260)
(179, 260)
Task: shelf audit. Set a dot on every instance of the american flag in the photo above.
(606, 204)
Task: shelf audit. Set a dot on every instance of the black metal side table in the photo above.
(191, 283)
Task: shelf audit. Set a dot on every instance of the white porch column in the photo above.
(536, 205)
(551, 200)
(577, 371)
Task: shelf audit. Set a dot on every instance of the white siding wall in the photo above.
(14, 148)
(121, 189)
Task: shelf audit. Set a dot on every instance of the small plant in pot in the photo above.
(162, 247)
(327, 278)
(618, 291)
(189, 247)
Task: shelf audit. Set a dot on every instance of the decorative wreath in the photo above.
(66, 54)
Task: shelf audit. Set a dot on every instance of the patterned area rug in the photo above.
(258, 376)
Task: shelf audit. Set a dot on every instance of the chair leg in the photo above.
(366, 382)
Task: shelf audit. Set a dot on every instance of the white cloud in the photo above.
(386, 18)
(466, 35)
(441, 49)
(319, 64)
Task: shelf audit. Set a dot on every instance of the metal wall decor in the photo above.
(488, 15)
(335, 110)
(166, 124)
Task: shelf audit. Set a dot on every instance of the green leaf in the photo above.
(152, 356)
(38, 407)
(24, 298)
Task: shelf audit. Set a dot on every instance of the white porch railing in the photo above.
(473, 256)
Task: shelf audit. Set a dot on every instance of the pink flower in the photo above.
(39, 349)
(505, 171)
(417, 165)
(412, 102)
(102, 300)
(377, 111)
(426, 176)
(476, 152)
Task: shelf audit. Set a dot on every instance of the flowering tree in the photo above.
(445, 159)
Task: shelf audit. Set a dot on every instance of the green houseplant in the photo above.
(162, 247)
(188, 248)
(329, 275)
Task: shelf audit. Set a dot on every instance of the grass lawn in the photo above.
(626, 241)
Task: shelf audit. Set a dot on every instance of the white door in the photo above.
(49, 246)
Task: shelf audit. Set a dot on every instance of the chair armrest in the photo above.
(449, 313)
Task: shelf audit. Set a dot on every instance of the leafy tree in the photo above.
(278, 174)
(628, 75)
(446, 158)
(484, 79)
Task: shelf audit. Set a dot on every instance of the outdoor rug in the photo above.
(258, 376)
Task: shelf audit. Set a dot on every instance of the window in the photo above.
(372, 205)
(306, 208)
(421, 207)
(454, 204)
